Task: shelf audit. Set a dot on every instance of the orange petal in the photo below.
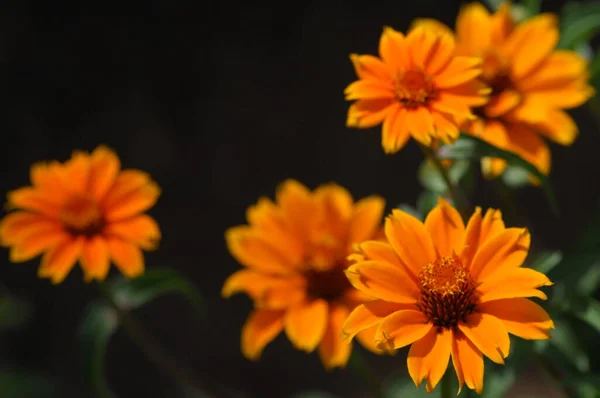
(298, 207)
(502, 24)
(141, 230)
(505, 250)
(446, 129)
(367, 315)
(511, 283)
(494, 132)
(259, 330)
(370, 112)
(468, 363)
(488, 334)
(559, 127)
(60, 259)
(133, 203)
(480, 230)
(334, 207)
(502, 103)
(47, 177)
(369, 89)
(441, 52)
(530, 43)
(127, 257)
(95, 259)
(559, 68)
(105, 166)
(401, 328)
(366, 338)
(75, 173)
(332, 350)
(458, 71)
(370, 67)
(452, 104)
(393, 49)
(530, 146)
(18, 224)
(251, 282)
(366, 218)
(419, 123)
(564, 96)
(395, 131)
(446, 228)
(521, 317)
(410, 239)
(127, 181)
(305, 324)
(384, 252)
(283, 293)
(432, 24)
(473, 28)
(256, 252)
(35, 200)
(384, 281)
(35, 240)
(428, 358)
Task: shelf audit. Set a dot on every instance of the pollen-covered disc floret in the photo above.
(447, 292)
(415, 88)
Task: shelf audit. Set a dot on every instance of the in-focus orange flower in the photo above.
(448, 291)
(294, 252)
(418, 87)
(85, 209)
(532, 83)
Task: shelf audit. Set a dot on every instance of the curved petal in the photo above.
(259, 330)
(47, 177)
(33, 199)
(366, 338)
(506, 250)
(460, 70)
(502, 24)
(133, 203)
(370, 67)
(140, 230)
(367, 315)
(479, 230)
(256, 252)
(446, 228)
(75, 172)
(393, 49)
(332, 350)
(519, 282)
(521, 317)
(127, 257)
(18, 224)
(60, 259)
(104, 168)
(419, 123)
(410, 239)
(530, 146)
(488, 334)
(446, 129)
(367, 113)
(502, 103)
(473, 28)
(494, 132)
(428, 358)
(95, 258)
(369, 89)
(384, 281)
(384, 252)
(298, 207)
(126, 182)
(559, 127)
(366, 218)
(558, 69)
(395, 133)
(401, 328)
(35, 241)
(468, 363)
(305, 324)
(253, 283)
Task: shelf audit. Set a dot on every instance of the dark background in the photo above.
(219, 102)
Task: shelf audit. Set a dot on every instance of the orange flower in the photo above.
(418, 87)
(449, 290)
(294, 251)
(531, 83)
(85, 209)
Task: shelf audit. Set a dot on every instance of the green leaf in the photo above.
(25, 384)
(579, 23)
(591, 314)
(98, 325)
(402, 386)
(101, 319)
(525, 10)
(498, 382)
(432, 180)
(544, 262)
(469, 147)
(565, 340)
(427, 200)
(515, 177)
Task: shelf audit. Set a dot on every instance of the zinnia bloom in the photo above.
(418, 87)
(448, 291)
(294, 251)
(532, 83)
(85, 209)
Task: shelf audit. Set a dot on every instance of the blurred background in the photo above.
(219, 102)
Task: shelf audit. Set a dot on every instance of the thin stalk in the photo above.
(358, 364)
(446, 387)
(149, 346)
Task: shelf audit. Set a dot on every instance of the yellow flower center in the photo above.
(81, 215)
(447, 292)
(329, 284)
(414, 88)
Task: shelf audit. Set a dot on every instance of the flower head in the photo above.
(294, 252)
(449, 291)
(531, 82)
(418, 87)
(85, 209)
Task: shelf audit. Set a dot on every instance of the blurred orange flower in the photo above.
(85, 209)
(418, 87)
(531, 82)
(448, 291)
(294, 251)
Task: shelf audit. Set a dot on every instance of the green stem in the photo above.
(457, 196)
(358, 364)
(151, 348)
(446, 387)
